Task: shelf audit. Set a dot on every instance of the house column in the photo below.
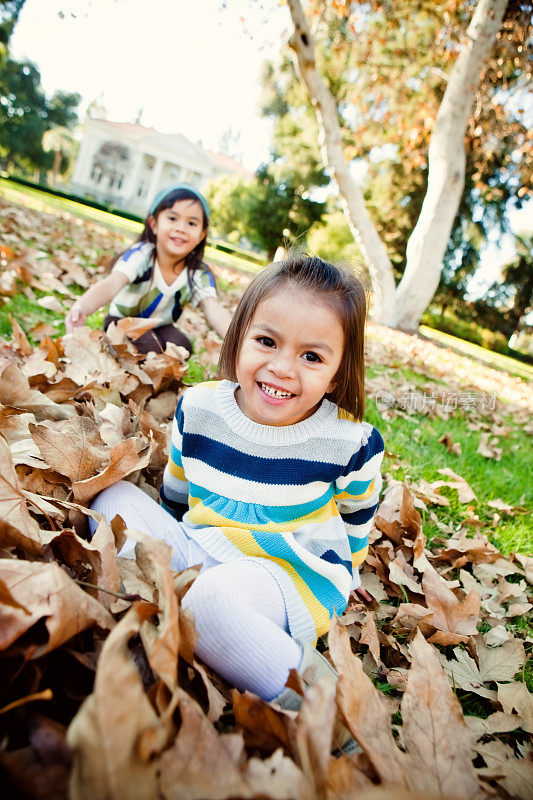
(84, 161)
(132, 184)
(156, 177)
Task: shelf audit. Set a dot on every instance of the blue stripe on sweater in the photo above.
(254, 513)
(373, 446)
(357, 544)
(357, 487)
(274, 471)
(324, 590)
(175, 455)
(360, 517)
(152, 307)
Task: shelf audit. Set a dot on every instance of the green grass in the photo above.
(47, 203)
(417, 453)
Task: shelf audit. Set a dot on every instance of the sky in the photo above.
(192, 67)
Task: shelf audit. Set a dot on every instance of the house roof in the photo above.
(142, 133)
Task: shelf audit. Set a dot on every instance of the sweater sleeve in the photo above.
(175, 489)
(356, 495)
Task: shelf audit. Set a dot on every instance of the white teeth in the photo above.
(274, 392)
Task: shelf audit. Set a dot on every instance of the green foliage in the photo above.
(26, 114)
(468, 330)
(9, 14)
(332, 240)
(268, 212)
(387, 66)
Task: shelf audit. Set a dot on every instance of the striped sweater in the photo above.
(148, 295)
(297, 499)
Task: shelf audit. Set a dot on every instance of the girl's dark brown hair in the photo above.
(339, 289)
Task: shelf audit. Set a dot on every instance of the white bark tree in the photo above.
(404, 305)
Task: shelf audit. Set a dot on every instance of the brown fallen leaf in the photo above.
(455, 620)
(104, 735)
(74, 449)
(515, 696)
(450, 445)
(15, 391)
(434, 732)
(160, 641)
(464, 492)
(489, 449)
(126, 457)
(204, 765)
(359, 702)
(495, 664)
(265, 727)
(44, 591)
(515, 775)
(17, 527)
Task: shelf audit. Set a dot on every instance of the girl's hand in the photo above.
(76, 317)
(362, 593)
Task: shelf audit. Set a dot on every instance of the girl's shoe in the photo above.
(312, 667)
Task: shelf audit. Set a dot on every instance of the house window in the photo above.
(96, 174)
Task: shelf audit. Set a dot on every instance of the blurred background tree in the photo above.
(26, 114)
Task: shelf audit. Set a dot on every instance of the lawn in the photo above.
(445, 635)
(90, 237)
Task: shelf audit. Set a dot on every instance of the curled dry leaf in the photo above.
(161, 642)
(104, 735)
(126, 457)
(15, 391)
(44, 591)
(17, 526)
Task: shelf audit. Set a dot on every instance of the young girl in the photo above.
(272, 480)
(160, 273)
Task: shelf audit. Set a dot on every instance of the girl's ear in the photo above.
(152, 222)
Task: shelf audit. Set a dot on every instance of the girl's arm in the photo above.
(217, 316)
(357, 495)
(174, 492)
(100, 294)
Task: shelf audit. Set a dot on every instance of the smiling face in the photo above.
(178, 229)
(288, 359)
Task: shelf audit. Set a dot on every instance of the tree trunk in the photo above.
(446, 162)
(361, 225)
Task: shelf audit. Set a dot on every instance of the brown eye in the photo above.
(312, 358)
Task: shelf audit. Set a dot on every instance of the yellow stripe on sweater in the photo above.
(345, 496)
(243, 540)
(201, 514)
(359, 557)
(176, 471)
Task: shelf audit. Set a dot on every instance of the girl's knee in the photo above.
(213, 589)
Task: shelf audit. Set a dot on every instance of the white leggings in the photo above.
(238, 606)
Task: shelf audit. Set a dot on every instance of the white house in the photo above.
(126, 164)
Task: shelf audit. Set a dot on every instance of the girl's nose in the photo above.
(282, 364)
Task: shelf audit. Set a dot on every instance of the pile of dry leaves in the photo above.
(100, 689)
(101, 695)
